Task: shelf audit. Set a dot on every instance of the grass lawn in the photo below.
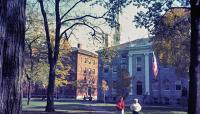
(86, 107)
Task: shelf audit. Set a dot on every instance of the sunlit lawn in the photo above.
(81, 107)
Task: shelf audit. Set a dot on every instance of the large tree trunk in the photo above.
(52, 53)
(194, 83)
(51, 82)
(12, 34)
(50, 89)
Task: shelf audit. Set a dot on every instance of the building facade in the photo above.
(136, 58)
(83, 75)
(81, 80)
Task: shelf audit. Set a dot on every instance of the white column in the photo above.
(130, 69)
(147, 73)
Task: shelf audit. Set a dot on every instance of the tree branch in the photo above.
(68, 36)
(71, 9)
(57, 32)
(75, 24)
(34, 39)
(85, 16)
(46, 26)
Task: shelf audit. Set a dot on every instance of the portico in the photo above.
(145, 54)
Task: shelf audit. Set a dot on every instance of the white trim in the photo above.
(147, 74)
(130, 61)
(130, 69)
(148, 51)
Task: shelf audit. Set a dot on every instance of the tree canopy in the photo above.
(171, 40)
(122, 84)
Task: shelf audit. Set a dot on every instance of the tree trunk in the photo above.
(31, 74)
(12, 34)
(50, 89)
(29, 92)
(194, 83)
(52, 54)
(104, 98)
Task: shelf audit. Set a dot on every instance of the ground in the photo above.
(68, 106)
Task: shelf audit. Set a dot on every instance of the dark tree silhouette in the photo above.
(12, 34)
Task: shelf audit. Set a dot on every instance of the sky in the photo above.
(128, 30)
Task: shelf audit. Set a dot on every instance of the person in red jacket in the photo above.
(120, 106)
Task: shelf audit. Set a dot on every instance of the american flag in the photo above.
(155, 66)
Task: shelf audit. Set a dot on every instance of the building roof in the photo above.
(138, 43)
(82, 51)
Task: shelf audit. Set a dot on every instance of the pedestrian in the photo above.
(120, 106)
(135, 107)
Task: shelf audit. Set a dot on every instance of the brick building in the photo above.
(82, 79)
(84, 73)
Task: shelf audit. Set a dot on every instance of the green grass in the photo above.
(81, 107)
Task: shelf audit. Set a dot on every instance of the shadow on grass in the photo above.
(43, 112)
(85, 107)
(76, 107)
(56, 112)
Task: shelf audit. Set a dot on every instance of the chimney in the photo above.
(79, 45)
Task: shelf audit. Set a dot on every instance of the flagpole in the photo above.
(157, 76)
(159, 81)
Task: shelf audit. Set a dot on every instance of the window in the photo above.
(178, 85)
(114, 68)
(139, 68)
(93, 71)
(114, 83)
(184, 92)
(139, 59)
(155, 85)
(124, 56)
(114, 99)
(139, 88)
(85, 71)
(89, 72)
(123, 61)
(114, 91)
(93, 62)
(166, 101)
(166, 84)
(178, 101)
(86, 60)
(124, 66)
(81, 59)
(155, 100)
(84, 79)
(138, 64)
(106, 69)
